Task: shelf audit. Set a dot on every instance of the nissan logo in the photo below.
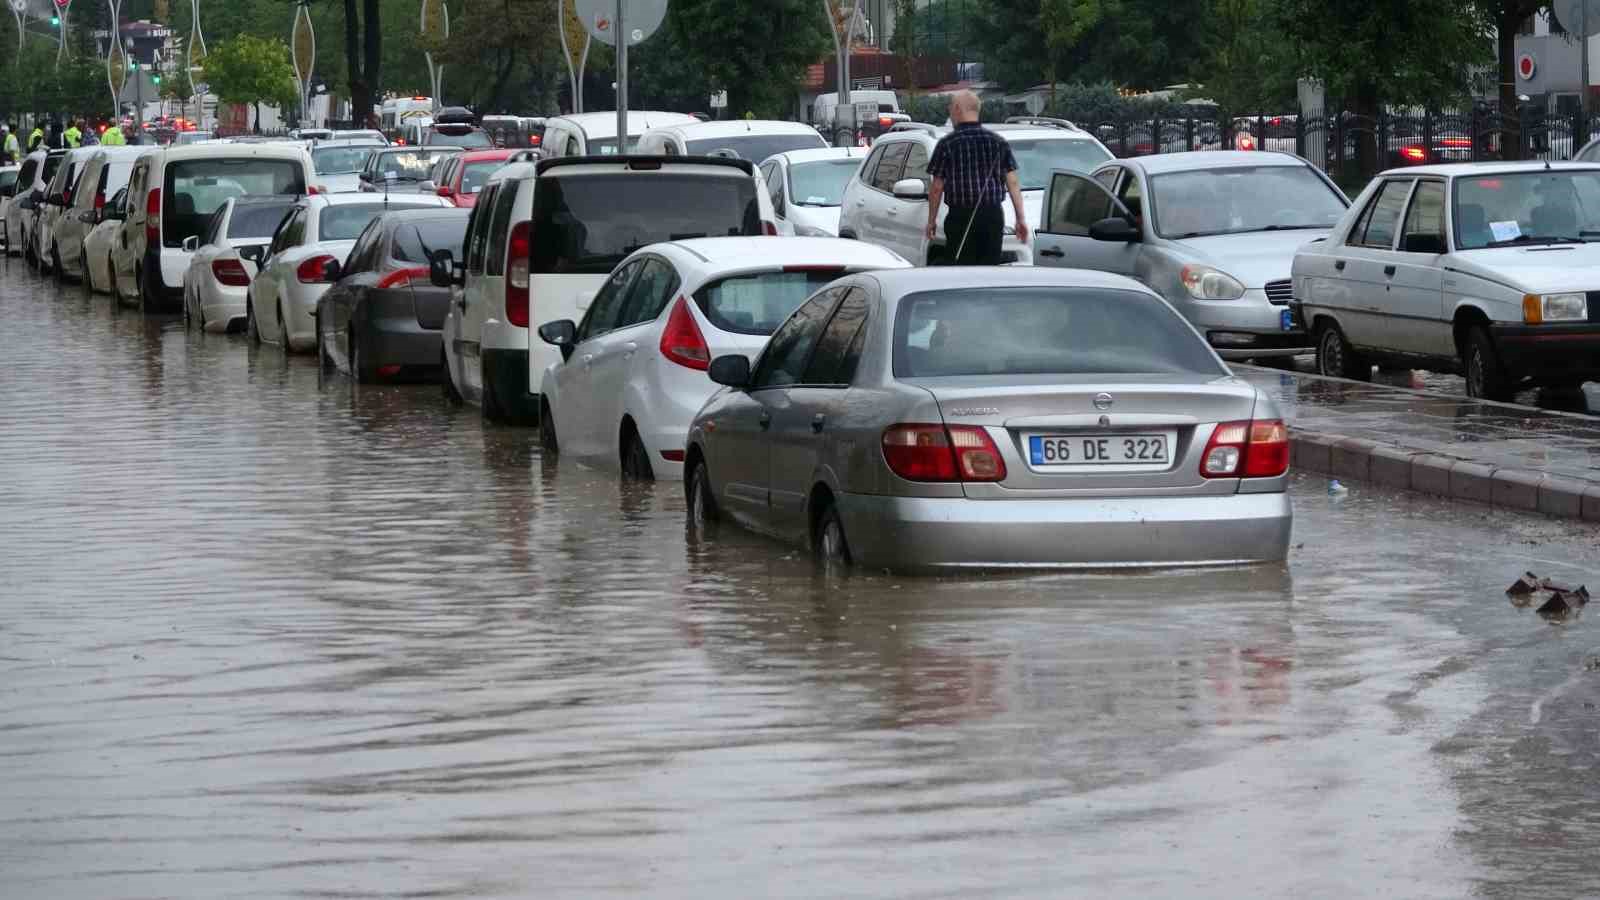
(1103, 401)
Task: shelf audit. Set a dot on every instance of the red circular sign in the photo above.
(1526, 66)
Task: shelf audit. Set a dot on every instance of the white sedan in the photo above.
(97, 243)
(807, 188)
(226, 256)
(633, 373)
(305, 257)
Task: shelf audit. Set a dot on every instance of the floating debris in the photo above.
(1560, 600)
(1335, 489)
(1527, 584)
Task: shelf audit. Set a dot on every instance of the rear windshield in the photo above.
(257, 219)
(455, 137)
(586, 224)
(409, 165)
(756, 147)
(1037, 158)
(417, 242)
(196, 188)
(345, 221)
(340, 160)
(820, 183)
(759, 302)
(477, 174)
(7, 179)
(1044, 331)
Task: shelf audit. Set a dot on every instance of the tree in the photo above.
(249, 69)
(1243, 65)
(363, 55)
(1503, 18)
(1141, 44)
(501, 55)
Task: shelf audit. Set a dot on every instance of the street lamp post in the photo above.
(844, 112)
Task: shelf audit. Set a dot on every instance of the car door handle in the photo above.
(588, 360)
(1339, 264)
(766, 421)
(1389, 271)
(817, 423)
(891, 212)
(629, 348)
(1054, 252)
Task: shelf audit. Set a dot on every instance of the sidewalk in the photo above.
(1501, 454)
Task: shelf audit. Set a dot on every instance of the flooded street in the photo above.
(265, 633)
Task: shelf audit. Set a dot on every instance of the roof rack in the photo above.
(913, 126)
(1046, 121)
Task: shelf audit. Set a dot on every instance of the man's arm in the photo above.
(935, 194)
(1015, 190)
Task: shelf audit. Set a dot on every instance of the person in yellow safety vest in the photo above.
(73, 135)
(36, 139)
(11, 150)
(112, 137)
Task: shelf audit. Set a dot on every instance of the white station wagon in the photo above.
(1487, 269)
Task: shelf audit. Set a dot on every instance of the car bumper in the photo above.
(392, 337)
(222, 309)
(955, 533)
(1246, 327)
(1552, 352)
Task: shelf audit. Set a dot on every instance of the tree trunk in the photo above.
(372, 72)
(258, 117)
(360, 87)
(1369, 109)
(1506, 25)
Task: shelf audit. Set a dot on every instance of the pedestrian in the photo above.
(36, 138)
(11, 148)
(113, 135)
(73, 135)
(53, 135)
(973, 171)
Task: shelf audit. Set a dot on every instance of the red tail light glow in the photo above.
(314, 189)
(230, 272)
(400, 278)
(681, 340)
(99, 200)
(314, 270)
(1246, 142)
(942, 453)
(520, 246)
(1415, 154)
(885, 121)
(1257, 449)
(769, 229)
(152, 217)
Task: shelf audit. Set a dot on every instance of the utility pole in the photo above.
(622, 81)
(844, 112)
(1583, 46)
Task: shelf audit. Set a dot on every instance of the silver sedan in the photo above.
(990, 418)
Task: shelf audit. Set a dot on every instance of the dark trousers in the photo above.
(982, 247)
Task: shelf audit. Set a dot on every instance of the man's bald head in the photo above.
(964, 107)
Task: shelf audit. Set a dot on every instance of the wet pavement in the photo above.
(263, 635)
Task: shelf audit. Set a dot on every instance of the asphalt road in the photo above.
(268, 635)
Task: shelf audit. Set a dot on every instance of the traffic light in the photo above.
(55, 21)
(155, 78)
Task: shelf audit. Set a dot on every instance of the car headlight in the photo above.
(1537, 308)
(1206, 283)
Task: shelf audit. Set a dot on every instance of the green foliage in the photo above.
(1245, 65)
(501, 56)
(1144, 44)
(249, 69)
(36, 84)
(1369, 52)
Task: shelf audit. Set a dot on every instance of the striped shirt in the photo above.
(973, 161)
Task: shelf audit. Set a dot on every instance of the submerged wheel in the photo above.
(831, 546)
(1486, 378)
(636, 459)
(702, 501)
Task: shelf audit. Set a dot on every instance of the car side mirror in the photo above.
(1114, 228)
(89, 217)
(191, 243)
(255, 254)
(442, 269)
(732, 370)
(1424, 243)
(910, 189)
(331, 271)
(445, 190)
(562, 333)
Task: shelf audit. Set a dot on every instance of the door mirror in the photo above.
(255, 253)
(331, 271)
(732, 370)
(560, 333)
(910, 189)
(1424, 243)
(191, 243)
(36, 198)
(446, 190)
(442, 270)
(89, 217)
(1114, 228)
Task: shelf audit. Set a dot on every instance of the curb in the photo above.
(1451, 477)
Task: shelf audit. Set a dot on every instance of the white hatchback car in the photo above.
(807, 188)
(97, 271)
(595, 134)
(752, 139)
(887, 203)
(9, 176)
(58, 197)
(682, 304)
(305, 256)
(103, 175)
(226, 258)
(339, 163)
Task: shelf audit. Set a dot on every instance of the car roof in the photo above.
(383, 198)
(603, 125)
(264, 200)
(481, 155)
(1013, 131)
(410, 213)
(1456, 170)
(899, 282)
(1199, 160)
(821, 153)
(733, 128)
(348, 142)
(123, 152)
(766, 252)
(175, 153)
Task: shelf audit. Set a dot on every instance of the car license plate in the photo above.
(1051, 450)
(1287, 319)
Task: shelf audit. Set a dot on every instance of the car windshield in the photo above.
(195, 188)
(821, 183)
(1552, 206)
(340, 160)
(1236, 200)
(608, 146)
(476, 174)
(344, 221)
(256, 220)
(1037, 158)
(409, 165)
(758, 303)
(586, 224)
(756, 147)
(1044, 331)
(417, 242)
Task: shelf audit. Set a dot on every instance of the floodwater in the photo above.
(268, 635)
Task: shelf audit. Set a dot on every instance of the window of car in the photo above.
(756, 147)
(416, 242)
(1037, 158)
(114, 206)
(364, 256)
(1382, 217)
(256, 220)
(345, 221)
(1131, 194)
(832, 363)
(784, 360)
(1424, 226)
(572, 146)
(758, 302)
(890, 167)
(820, 183)
(340, 160)
(474, 175)
(193, 189)
(213, 228)
(917, 164)
(478, 229)
(410, 164)
(1108, 177)
(290, 231)
(505, 202)
(602, 314)
(1076, 203)
(774, 178)
(870, 167)
(650, 293)
(1044, 331)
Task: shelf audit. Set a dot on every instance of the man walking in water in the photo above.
(973, 171)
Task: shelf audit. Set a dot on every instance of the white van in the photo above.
(542, 239)
(822, 111)
(752, 139)
(57, 199)
(171, 195)
(595, 134)
(105, 173)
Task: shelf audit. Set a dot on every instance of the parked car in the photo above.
(595, 134)
(338, 163)
(454, 126)
(31, 207)
(993, 417)
(1487, 269)
(544, 237)
(226, 257)
(807, 187)
(467, 173)
(57, 200)
(1214, 232)
(401, 169)
(752, 139)
(9, 178)
(384, 315)
(304, 258)
(97, 265)
(683, 303)
(368, 134)
(514, 132)
(887, 202)
(172, 194)
(104, 173)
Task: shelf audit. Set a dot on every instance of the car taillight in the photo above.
(1246, 142)
(314, 189)
(1415, 154)
(520, 245)
(230, 272)
(1256, 449)
(942, 453)
(885, 121)
(99, 200)
(152, 217)
(681, 340)
(769, 229)
(400, 278)
(314, 270)
(66, 197)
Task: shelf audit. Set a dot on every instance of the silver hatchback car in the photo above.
(990, 418)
